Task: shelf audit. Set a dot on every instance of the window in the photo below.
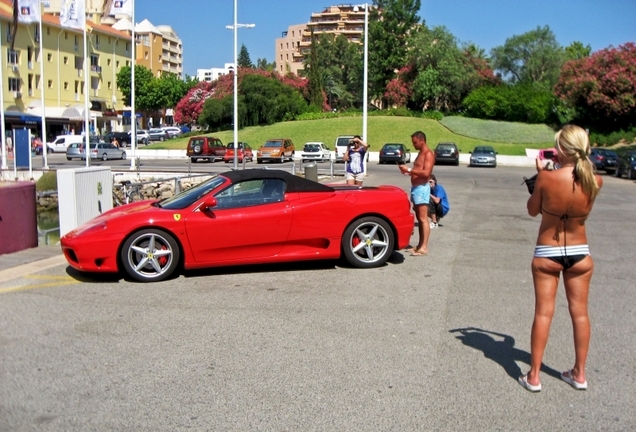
(117, 64)
(65, 35)
(36, 33)
(49, 84)
(97, 41)
(9, 32)
(65, 85)
(13, 57)
(110, 85)
(48, 31)
(108, 62)
(65, 60)
(49, 57)
(250, 193)
(76, 44)
(79, 62)
(14, 84)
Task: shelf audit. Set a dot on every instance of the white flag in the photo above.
(28, 11)
(121, 7)
(72, 14)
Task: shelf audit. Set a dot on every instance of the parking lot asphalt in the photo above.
(423, 343)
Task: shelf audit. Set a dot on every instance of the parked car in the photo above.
(340, 146)
(60, 142)
(626, 164)
(173, 131)
(158, 134)
(123, 138)
(315, 151)
(244, 151)
(279, 149)
(447, 152)
(395, 152)
(483, 156)
(206, 148)
(142, 136)
(184, 128)
(151, 240)
(104, 151)
(603, 160)
(76, 150)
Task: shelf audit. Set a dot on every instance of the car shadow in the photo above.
(502, 352)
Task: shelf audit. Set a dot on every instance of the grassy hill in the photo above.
(467, 133)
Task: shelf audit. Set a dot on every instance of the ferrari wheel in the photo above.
(368, 242)
(150, 255)
(104, 157)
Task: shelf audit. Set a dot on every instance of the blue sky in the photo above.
(488, 23)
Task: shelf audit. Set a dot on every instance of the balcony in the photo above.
(96, 69)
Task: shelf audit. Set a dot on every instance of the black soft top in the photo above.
(294, 183)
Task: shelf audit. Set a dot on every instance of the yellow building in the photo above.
(108, 50)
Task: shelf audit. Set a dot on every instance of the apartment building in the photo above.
(295, 43)
(158, 47)
(62, 60)
(213, 74)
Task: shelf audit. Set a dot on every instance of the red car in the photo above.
(244, 151)
(213, 224)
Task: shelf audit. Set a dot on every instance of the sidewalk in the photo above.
(17, 264)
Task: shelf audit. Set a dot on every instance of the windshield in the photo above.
(344, 141)
(273, 144)
(446, 147)
(488, 150)
(190, 196)
(311, 147)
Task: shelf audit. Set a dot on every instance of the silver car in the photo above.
(76, 150)
(104, 151)
(483, 156)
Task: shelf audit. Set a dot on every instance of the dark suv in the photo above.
(603, 160)
(123, 138)
(207, 148)
(447, 152)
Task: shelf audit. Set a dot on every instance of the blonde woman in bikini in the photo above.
(564, 199)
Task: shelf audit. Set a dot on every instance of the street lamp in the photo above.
(235, 28)
(365, 84)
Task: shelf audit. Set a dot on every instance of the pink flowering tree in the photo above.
(602, 87)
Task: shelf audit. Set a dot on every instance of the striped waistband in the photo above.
(557, 251)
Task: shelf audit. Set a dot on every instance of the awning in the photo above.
(55, 112)
(16, 116)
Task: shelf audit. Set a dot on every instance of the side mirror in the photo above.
(209, 203)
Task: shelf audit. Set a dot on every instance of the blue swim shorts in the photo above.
(421, 194)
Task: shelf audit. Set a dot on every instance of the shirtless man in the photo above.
(420, 189)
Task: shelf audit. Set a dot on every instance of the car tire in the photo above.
(104, 157)
(368, 242)
(193, 160)
(162, 139)
(630, 173)
(457, 162)
(124, 143)
(68, 158)
(150, 255)
(123, 155)
(282, 158)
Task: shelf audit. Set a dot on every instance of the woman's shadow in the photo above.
(502, 351)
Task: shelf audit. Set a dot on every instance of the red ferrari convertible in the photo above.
(244, 217)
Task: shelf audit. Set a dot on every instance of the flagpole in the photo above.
(2, 128)
(45, 148)
(133, 113)
(87, 138)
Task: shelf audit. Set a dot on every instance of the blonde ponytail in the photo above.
(573, 145)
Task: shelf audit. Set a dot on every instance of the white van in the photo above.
(60, 142)
(340, 147)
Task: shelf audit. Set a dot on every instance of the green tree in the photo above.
(533, 57)
(576, 51)
(244, 60)
(444, 72)
(314, 74)
(262, 63)
(392, 24)
(143, 85)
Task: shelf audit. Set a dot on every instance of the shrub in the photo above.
(48, 182)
